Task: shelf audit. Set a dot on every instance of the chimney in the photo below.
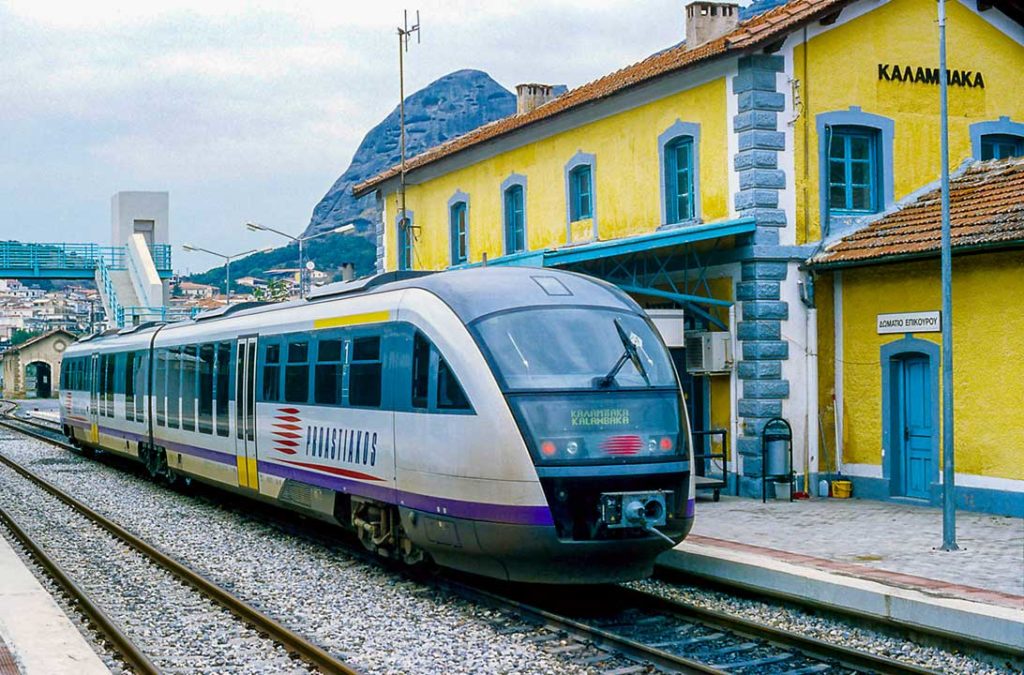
(706, 21)
(532, 95)
(348, 271)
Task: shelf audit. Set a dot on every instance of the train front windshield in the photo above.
(587, 386)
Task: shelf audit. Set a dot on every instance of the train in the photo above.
(517, 423)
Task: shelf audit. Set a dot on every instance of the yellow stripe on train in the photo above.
(353, 319)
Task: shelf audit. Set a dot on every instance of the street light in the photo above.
(341, 229)
(227, 260)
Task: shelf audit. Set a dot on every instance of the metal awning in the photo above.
(666, 264)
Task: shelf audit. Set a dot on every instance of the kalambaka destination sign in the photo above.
(892, 72)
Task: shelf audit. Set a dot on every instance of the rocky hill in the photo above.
(451, 106)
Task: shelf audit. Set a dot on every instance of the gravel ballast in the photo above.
(362, 612)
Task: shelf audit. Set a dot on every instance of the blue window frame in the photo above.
(515, 223)
(853, 170)
(405, 244)
(1001, 146)
(459, 228)
(679, 193)
(580, 191)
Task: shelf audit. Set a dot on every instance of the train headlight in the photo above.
(572, 447)
(548, 449)
(652, 445)
(666, 443)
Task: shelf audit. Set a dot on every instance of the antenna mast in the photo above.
(404, 32)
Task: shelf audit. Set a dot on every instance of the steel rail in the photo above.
(294, 642)
(598, 636)
(122, 643)
(815, 648)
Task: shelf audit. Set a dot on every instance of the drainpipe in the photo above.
(811, 463)
(737, 459)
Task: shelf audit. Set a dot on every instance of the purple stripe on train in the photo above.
(501, 513)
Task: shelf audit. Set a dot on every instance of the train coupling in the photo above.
(633, 509)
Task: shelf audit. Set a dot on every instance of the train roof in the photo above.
(471, 293)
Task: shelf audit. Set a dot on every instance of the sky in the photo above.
(249, 111)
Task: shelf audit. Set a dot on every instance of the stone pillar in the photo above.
(759, 291)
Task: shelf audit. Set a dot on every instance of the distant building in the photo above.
(32, 369)
(193, 290)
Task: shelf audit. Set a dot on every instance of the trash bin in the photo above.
(784, 490)
(776, 456)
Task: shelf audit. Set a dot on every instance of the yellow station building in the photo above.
(712, 180)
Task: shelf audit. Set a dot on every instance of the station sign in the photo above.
(910, 322)
(895, 72)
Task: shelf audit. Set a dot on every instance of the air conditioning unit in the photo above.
(709, 352)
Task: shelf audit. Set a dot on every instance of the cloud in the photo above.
(253, 105)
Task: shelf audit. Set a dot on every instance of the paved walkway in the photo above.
(884, 541)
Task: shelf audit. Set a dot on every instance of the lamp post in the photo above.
(227, 261)
(341, 229)
(948, 436)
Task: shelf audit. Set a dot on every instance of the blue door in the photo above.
(918, 452)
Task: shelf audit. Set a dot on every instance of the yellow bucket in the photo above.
(842, 489)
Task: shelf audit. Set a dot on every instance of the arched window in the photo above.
(854, 170)
(459, 232)
(515, 220)
(580, 193)
(1001, 146)
(678, 176)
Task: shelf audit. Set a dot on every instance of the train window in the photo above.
(129, 387)
(449, 392)
(327, 376)
(141, 361)
(188, 387)
(239, 389)
(108, 384)
(160, 387)
(420, 370)
(223, 382)
(174, 387)
(271, 374)
(205, 367)
(296, 373)
(364, 375)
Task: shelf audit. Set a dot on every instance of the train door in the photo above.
(245, 413)
(94, 399)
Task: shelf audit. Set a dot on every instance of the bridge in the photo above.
(131, 274)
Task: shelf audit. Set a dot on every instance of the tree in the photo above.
(19, 335)
(275, 291)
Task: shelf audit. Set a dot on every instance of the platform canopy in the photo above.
(668, 265)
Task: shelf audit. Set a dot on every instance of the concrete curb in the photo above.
(974, 621)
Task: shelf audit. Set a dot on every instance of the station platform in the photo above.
(878, 560)
(36, 637)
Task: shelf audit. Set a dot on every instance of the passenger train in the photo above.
(516, 423)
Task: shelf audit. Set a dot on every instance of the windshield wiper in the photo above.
(630, 344)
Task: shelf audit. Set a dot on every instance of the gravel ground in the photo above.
(175, 626)
(364, 614)
(831, 630)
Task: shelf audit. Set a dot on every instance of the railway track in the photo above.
(653, 631)
(128, 648)
(618, 630)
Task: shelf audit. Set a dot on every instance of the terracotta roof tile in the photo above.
(986, 209)
(756, 31)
